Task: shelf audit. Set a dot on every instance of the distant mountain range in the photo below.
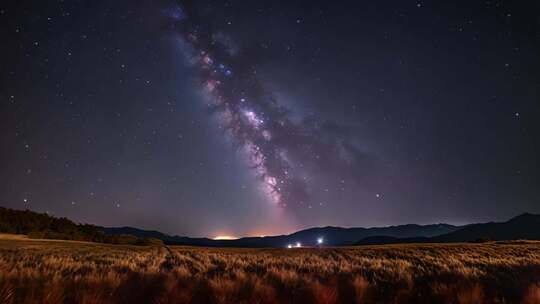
(331, 236)
(37, 225)
(525, 226)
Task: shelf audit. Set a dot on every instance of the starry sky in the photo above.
(209, 117)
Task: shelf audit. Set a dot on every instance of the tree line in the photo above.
(43, 226)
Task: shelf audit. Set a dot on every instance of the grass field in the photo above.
(39, 271)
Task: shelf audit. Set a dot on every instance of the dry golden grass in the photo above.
(34, 271)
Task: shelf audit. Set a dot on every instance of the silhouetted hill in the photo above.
(168, 239)
(525, 226)
(332, 236)
(348, 236)
(43, 226)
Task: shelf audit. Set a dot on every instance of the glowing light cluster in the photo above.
(320, 242)
(225, 237)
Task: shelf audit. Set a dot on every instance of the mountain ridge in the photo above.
(38, 225)
(523, 226)
(331, 235)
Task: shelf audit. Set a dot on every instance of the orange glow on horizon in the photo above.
(225, 237)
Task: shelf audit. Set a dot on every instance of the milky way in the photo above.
(358, 113)
(283, 152)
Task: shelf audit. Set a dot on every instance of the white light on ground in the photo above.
(298, 245)
(320, 240)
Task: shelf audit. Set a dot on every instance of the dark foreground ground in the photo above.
(45, 271)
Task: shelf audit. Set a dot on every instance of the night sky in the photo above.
(209, 118)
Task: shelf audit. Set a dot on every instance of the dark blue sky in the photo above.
(383, 112)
